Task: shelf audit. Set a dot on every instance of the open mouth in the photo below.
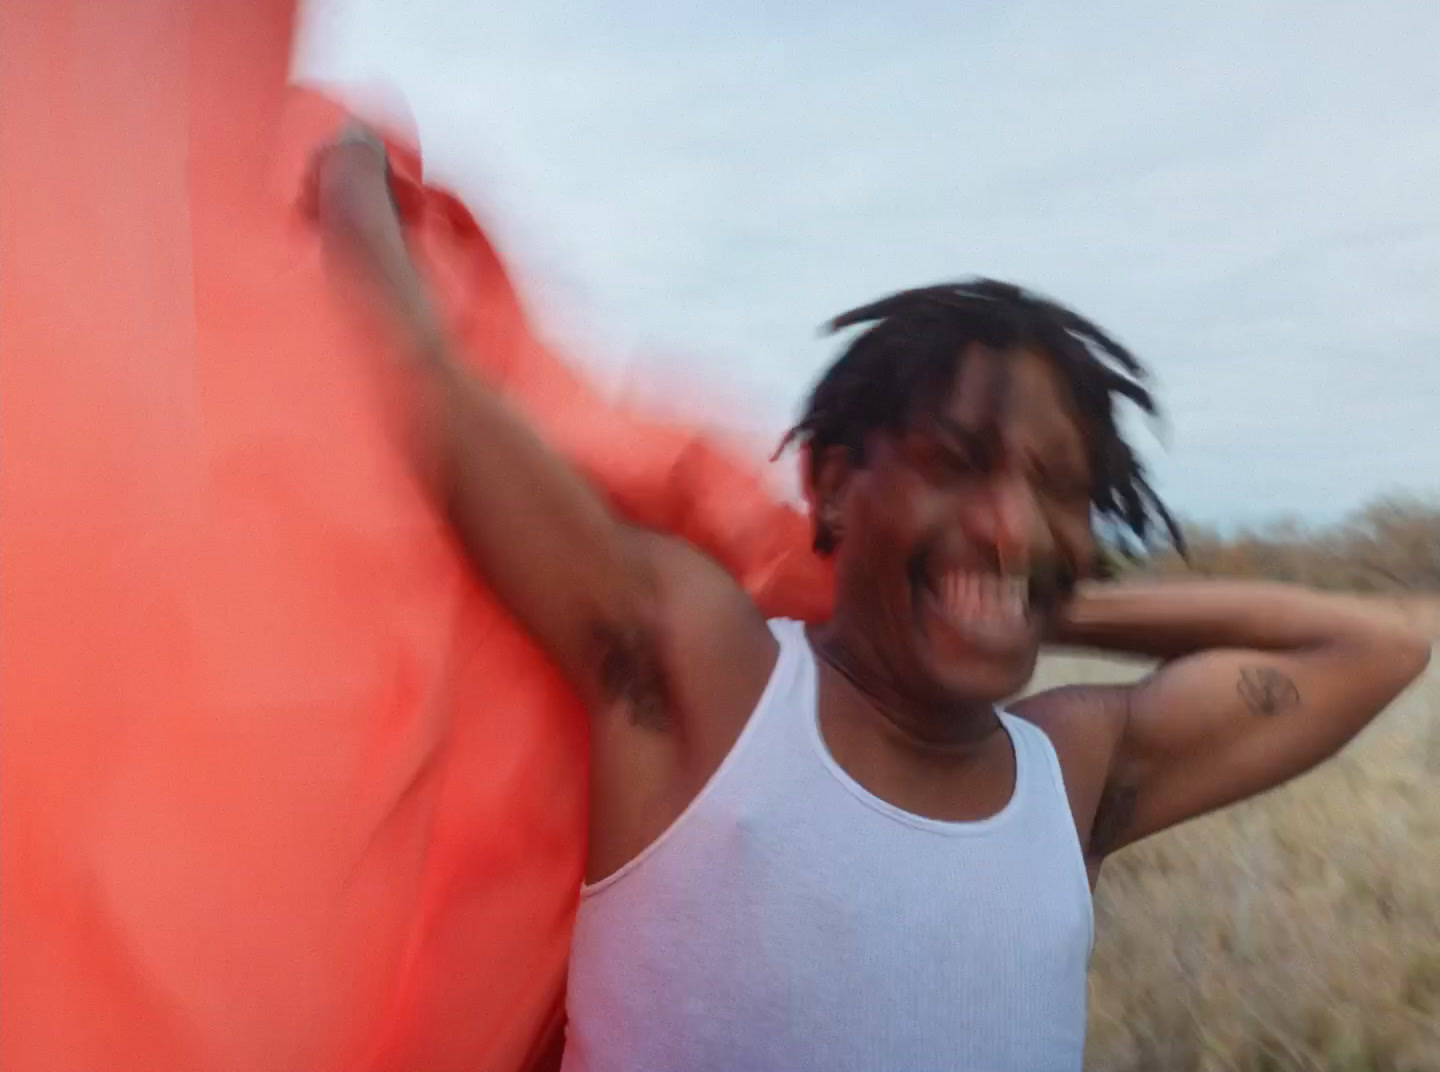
(985, 610)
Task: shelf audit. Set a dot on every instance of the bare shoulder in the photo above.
(710, 647)
(717, 642)
(682, 693)
(697, 593)
(1092, 713)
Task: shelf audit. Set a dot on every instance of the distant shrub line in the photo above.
(1389, 546)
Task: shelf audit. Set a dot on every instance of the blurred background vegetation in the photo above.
(1391, 546)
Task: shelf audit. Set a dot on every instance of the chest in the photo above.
(831, 870)
(800, 921)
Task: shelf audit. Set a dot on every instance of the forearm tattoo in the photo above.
(1266, 691)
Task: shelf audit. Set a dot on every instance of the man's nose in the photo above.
(1013, 523)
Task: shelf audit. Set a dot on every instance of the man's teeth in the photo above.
(984, 596)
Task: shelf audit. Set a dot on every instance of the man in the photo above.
(830, 848)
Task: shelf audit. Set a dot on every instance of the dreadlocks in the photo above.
(908, 357)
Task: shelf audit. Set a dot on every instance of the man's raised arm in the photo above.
(577, 578)
(1260, 682)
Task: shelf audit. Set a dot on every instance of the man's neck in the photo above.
(936, 728)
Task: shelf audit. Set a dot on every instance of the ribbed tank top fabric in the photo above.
(790, 919)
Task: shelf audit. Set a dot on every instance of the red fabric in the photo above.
(281, 787)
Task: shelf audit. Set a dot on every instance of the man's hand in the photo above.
(358, 218)
(1259, 683)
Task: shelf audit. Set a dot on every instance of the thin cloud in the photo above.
(1242, 191)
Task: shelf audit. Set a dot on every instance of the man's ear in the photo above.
(827, 496)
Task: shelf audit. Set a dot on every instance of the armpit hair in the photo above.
(631, 672)
(1113, 817)
(1116, 810)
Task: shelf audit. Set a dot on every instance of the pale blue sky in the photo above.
(1247, 193)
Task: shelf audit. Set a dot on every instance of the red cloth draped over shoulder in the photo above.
(281, 786)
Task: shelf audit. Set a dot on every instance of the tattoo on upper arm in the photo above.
(1113, 817)
(630, 673)
(1266, 691)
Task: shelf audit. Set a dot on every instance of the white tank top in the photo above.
(789, 919)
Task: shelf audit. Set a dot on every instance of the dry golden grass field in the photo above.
(1298, 931)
